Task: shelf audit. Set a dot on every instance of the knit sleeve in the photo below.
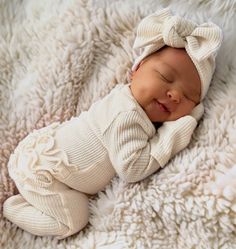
(171, 138)
(135, 154)
(129, 147)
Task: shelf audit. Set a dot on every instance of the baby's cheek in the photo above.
(182, 111)
(175, 116)
(139, 92)
(186, 107)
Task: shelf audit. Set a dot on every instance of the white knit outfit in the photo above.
(56, 166)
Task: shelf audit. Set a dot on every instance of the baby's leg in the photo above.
(59, 212)
(31, 219)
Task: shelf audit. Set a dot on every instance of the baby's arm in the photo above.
(134, 154)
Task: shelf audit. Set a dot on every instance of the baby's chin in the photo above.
(160, 117)
(157, 116)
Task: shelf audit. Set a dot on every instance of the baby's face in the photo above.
(166, 85)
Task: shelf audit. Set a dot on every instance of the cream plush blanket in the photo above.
(59, 56)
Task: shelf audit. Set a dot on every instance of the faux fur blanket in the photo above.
(59, 56)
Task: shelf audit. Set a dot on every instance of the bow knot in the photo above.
(174, 35)
(162, 28)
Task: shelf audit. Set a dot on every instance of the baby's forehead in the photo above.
(172, 53)
(175, 58)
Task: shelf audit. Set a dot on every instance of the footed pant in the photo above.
(60, 211)
(52, 183)
(50, 201)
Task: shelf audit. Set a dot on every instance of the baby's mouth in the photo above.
(163, 107)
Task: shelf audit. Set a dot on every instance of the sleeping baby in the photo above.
(56, 167)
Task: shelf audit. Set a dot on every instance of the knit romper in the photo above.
(56, 166)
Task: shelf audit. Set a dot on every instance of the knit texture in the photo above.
(107, 136)
(200, 41)
(55, 210)
(83, 154)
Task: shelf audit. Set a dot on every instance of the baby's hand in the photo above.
(197, 111)
(173, 136)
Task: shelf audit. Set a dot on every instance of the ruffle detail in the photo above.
(36, 157)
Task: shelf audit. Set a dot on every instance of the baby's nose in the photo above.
(174, 95)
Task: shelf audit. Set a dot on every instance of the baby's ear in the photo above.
(131, 74)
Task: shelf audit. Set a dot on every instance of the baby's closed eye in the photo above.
(165, 76)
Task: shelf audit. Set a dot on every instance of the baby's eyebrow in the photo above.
(170, 67)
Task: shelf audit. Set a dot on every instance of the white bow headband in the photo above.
(201, 42)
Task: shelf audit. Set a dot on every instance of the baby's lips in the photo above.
(166, 108)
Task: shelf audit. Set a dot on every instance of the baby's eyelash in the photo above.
(164, 77)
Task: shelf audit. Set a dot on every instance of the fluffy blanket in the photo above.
(59, 56)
